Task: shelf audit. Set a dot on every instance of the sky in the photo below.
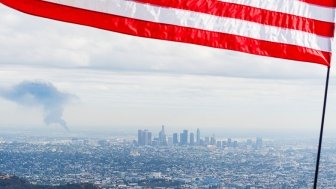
(79, 77)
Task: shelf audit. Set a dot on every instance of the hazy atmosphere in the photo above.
(69, 77)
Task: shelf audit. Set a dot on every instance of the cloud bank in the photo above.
(40, 94)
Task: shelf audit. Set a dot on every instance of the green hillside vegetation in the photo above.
(13, 182)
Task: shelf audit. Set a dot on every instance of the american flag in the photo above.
(300, 30)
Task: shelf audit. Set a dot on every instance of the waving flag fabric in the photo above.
(300, 30)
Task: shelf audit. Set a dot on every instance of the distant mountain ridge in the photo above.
(14, 182)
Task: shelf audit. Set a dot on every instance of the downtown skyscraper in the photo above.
(144, 137)
(198, 137)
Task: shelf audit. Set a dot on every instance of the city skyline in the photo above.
(185, 138)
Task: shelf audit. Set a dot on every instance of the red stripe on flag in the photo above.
(324, 3)
(169, 32)
(248, 13)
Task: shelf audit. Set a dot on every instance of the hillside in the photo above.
(13, 182)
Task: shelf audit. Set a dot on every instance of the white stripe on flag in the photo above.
(294, 7)
(202, 21)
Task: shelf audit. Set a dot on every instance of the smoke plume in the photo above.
(40, 94)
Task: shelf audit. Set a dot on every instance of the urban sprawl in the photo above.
(184, 160)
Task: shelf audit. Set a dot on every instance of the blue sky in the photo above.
(124, 82)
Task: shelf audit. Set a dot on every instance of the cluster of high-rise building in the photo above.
(185, 138)
(144, 137)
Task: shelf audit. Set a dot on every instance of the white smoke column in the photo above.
(40, 94)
